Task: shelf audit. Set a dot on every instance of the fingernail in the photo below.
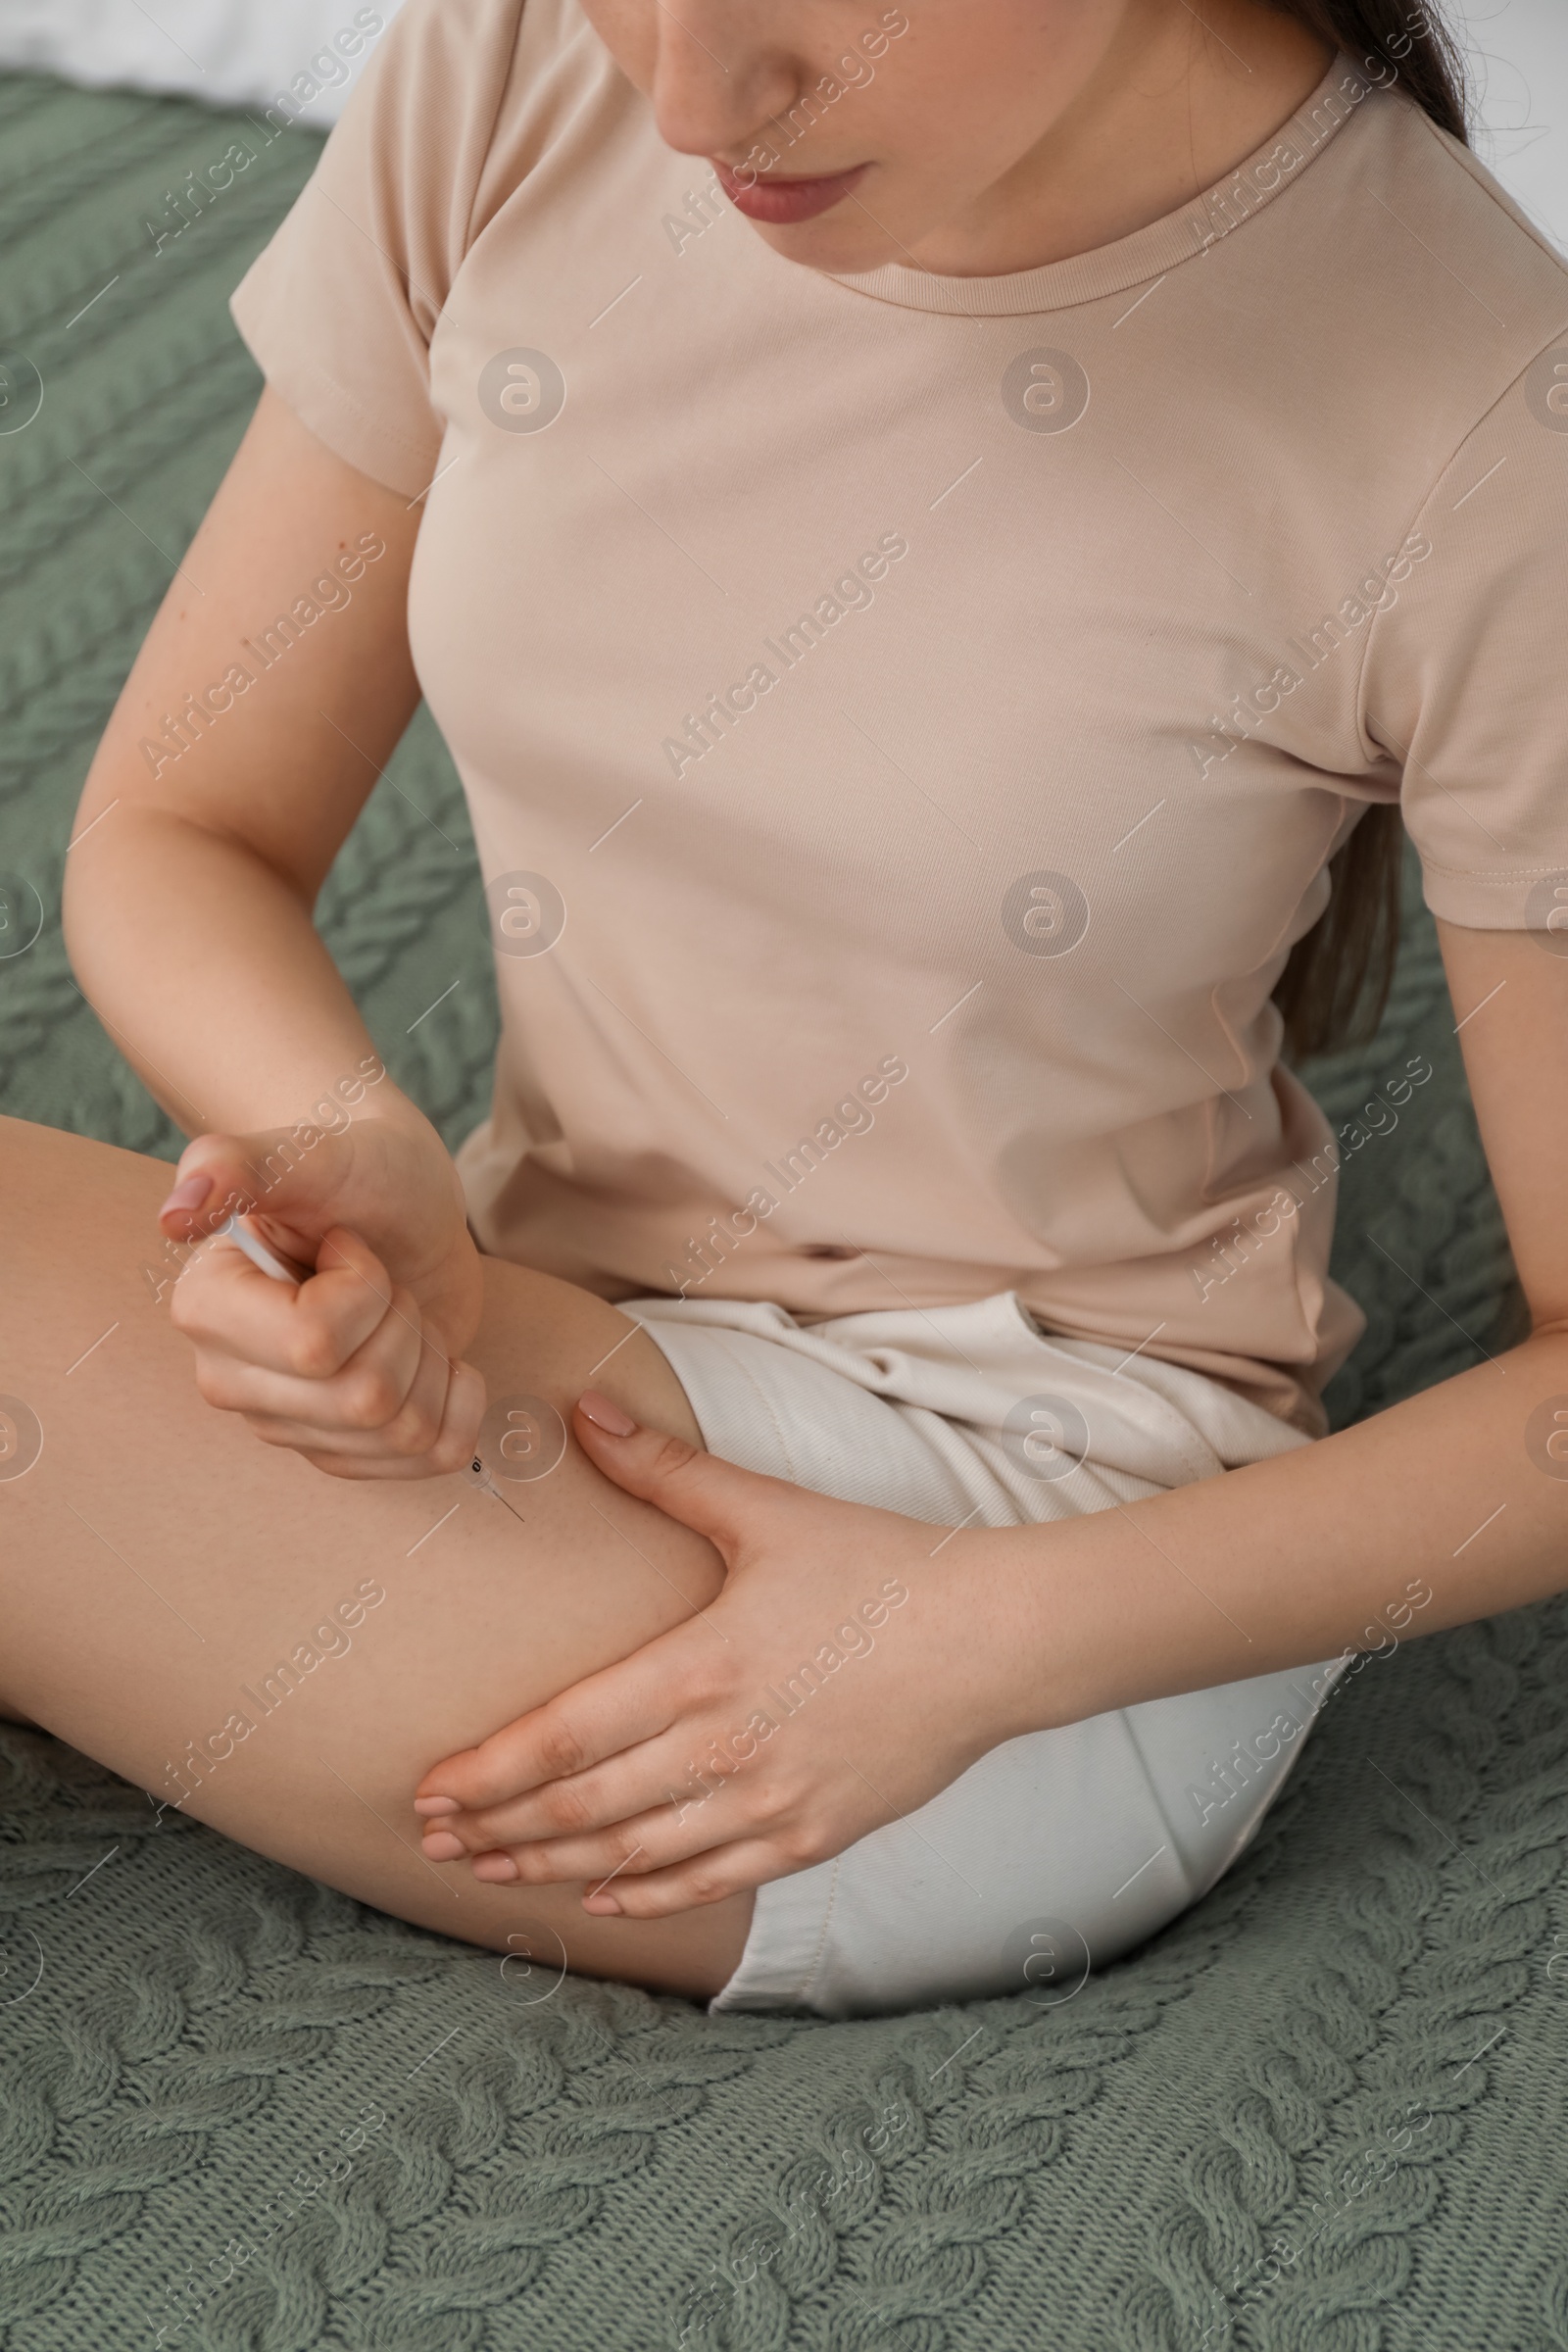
(189, 1193)
(602, 1903)
(432, 1806)
(605, 1415)
(494, 1868)
(441, 1846)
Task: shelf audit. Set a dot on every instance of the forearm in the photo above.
(1291, 1560)
(201, 842)
(206, 967)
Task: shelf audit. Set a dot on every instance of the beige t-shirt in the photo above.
(906, 718)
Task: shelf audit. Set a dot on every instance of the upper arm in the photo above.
(1510, 996)
(280, 653)
(338, 310)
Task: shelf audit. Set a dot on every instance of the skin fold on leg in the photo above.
(159, 1564)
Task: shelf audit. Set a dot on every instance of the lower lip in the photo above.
(783, 200)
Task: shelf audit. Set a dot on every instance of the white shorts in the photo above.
(1061, 1850)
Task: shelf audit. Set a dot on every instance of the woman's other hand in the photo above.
(358, 1365)
(854, 1663)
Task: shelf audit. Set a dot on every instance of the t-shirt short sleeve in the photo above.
(1466, 683)
(339, 308)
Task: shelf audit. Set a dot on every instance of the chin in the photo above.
(842, 249)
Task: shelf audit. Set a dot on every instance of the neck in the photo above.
(1174, 102)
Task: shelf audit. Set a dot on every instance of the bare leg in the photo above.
(159, 1562)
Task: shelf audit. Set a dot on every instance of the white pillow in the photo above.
(227, 52)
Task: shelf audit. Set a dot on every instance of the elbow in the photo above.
(76, 891)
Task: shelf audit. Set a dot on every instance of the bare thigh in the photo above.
(159, 1564)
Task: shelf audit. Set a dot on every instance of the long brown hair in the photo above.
(1333, 990)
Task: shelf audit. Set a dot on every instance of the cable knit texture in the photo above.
(239, 2111)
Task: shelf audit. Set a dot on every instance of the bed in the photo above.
(1321, 2113)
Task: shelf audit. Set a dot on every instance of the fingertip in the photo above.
(436, 1785)
(186, 1196)
(602, 1414)
(494, 1868)
(434, 1808)
(199, 1201)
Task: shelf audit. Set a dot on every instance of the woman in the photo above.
(929, 532)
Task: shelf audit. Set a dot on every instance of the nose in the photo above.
(717, 82)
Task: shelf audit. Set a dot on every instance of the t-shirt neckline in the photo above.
(1183, 235)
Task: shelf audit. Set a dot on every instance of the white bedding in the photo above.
(227, 52)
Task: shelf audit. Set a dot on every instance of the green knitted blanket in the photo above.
(1321, 2113)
